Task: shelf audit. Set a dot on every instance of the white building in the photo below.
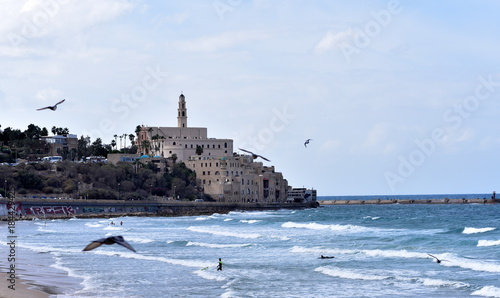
(181, 140)
(223, 174)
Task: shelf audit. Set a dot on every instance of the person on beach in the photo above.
(219, 267)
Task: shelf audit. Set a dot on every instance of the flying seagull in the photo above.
(53, 108)
(307, 142)
(109, 241)
(437, 260)
(254, 155)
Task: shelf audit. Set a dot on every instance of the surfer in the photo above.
(219, 267)
(326, 257)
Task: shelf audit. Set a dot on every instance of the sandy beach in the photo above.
(22, 288)
(34, 276)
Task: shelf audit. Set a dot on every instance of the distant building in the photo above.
(61, 145)
(301, 195)
(222, 174)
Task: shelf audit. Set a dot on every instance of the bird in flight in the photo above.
(254, 155)
(53, 108)
(437, 260)
(109, 241)
(307, 142)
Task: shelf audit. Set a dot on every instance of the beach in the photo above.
(34, 276)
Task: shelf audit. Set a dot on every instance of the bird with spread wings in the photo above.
(254, 155)
(53, 108)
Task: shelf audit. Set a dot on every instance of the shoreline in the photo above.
(34, 276)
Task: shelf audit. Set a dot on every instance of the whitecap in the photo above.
(477, 230)
(46, 230)
(139, 240)
(93, 225)
(335, 227)
(349, 274)
(209, 275)
(251, 221)
(488, 242)
(213, 245)
(488, 291)
(224, 233)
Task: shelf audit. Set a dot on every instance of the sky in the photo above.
(398, 97)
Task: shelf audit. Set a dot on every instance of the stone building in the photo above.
(238, 179)
(181, 140)
(223, 174)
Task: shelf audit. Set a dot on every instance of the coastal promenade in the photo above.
(68, 208)
(409, 201)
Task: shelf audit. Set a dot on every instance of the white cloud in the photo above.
(333, 40)
(49, 95)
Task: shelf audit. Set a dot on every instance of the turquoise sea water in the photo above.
(379, 250)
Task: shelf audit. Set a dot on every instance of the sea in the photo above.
(373, 250)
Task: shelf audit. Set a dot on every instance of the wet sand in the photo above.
(34, 276)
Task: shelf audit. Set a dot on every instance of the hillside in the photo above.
(99, 181)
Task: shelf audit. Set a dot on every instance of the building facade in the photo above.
(183, 141)
(238, 179)
(65, 145)
(223, 174)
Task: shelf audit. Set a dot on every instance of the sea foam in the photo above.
(477, 230)
(488, 291)
(488, 242)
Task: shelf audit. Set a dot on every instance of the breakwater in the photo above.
(67, 208)
(410, 201)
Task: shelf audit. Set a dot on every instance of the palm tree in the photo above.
(125, 140)
(116, 140)
(113, 143)
(131, 137)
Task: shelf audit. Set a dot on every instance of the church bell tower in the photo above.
(182, 112)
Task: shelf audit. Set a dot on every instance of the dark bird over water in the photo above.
(437, 260)
(109, 241)
(254, 155)
(53, 108)
(307, 142)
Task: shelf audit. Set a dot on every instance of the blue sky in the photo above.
(399, 97)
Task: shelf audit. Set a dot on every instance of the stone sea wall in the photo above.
(67, 208)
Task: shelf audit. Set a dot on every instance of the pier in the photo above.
(409, 201)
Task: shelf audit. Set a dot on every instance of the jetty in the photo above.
(409, 201)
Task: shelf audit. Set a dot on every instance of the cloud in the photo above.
(221, 41)
(333, 40)
(25, 21)
(48, 95)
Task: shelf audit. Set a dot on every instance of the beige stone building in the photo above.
(181, 140)
(239, 179)
(223, 174)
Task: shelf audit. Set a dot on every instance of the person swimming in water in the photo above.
(326, 257)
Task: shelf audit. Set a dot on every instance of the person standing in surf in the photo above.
(219, 267)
